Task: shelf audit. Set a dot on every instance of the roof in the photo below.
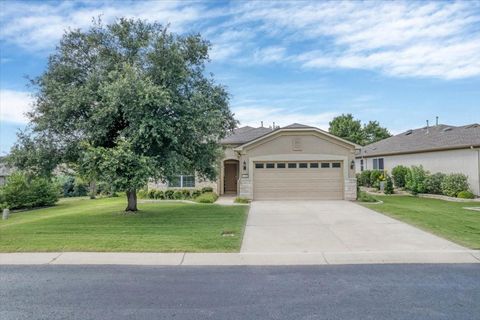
(245, 134)
(440, 137)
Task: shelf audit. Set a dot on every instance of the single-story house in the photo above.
(440, 148)
(293, 162)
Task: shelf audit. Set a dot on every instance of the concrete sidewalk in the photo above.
(239, 259)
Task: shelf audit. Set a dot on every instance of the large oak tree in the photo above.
(126, 102)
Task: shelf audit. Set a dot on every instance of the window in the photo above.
(292, 165)
(280, 165)
(258, 165)
(378, 164)
(270, 165)
(182, 181)
(336, 165)
(303, 165)
(361, 164)
(313, 165)
(325, 165)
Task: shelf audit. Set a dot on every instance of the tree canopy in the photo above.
(347, 127)
(132, 96)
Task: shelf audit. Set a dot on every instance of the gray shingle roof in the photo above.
(245, 134)
(420, 140)
(297, 126)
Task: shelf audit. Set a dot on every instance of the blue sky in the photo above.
(396, 62)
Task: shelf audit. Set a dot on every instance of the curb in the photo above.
(239, 259)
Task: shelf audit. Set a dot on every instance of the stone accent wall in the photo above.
(246, 190)
(350, 191)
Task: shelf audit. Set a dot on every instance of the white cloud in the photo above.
(14, 105)
(252, 116)
(269, 54)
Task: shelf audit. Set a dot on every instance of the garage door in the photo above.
(298, 180)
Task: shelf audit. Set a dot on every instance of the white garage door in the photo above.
(298, 180)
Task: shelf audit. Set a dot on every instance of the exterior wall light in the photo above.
(352, 164)
(244, 166)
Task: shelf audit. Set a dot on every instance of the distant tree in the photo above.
(347, 127)
(374, 132)
(132, 98)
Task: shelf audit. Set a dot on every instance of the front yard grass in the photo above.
(101, 225)
(444, 218)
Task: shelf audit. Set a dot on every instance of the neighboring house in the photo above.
(440, 148)
(293, 162)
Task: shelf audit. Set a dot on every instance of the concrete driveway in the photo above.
(331, 226)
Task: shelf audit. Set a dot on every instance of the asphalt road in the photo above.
(307, 292)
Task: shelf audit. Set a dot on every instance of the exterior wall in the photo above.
(464, 161)
(313, 146)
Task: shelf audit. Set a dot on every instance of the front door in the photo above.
(231, 177)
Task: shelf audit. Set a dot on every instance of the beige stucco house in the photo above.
(440, 148)
(293, 162)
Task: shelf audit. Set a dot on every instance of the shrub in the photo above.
(364, 179)
(365, 197)
(20, 192)
(169, 194)
(388, 185)
(72, 186)
(399, 174)
(241, 200)
(142, 194)
(196, 193)
(433, 183)
(375, 178)
(159, 194)
(207, 197)
(186, 193)
(465, 195)
(177, 195)
(207, 189)
(151, 194)
(415, 179)
(454, 183)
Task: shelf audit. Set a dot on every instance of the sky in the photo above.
(399, 63)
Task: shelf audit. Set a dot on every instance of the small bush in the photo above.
(169, 194)
(365, 197)
(465, 195)
(375, 178)
(21, 192)
(415, 179)
(196, 193)
(399, 174)
(454, 183)
(207, 189)
(159, 195)
(177, 195)
(433, 183)
(151, 194)
(241, 200)
(186, 193)
(388, 185)
(207, 197)
(142, 194)
(364, 178)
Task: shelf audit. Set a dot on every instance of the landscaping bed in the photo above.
(450, 220)
(102, 225)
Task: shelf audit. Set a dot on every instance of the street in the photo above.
(297, 292)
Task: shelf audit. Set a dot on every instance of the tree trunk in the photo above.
(93, 189)
(132, 200)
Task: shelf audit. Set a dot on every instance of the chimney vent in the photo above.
(427, 126)
(436, 120)
(261, 123)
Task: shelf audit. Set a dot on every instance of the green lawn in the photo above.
(101, 225)
(444, 218)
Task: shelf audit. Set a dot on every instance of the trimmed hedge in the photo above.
(465, 195)
(415, 180)
(399, 174)
(241, 200)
